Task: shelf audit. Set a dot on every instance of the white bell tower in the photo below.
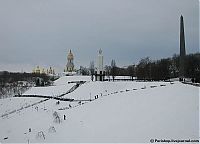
(100, 61)
(99, 72)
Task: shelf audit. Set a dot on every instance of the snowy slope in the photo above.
(49, 90)
(97, 88)
(65, 79)
(10, 104)
(61, 85)
(126, 112)
(13, 104)
(135, 117)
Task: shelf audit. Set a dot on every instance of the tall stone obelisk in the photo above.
(182, 50)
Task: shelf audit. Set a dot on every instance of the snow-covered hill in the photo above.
(49, 90)
(67, 79)
(122, 112)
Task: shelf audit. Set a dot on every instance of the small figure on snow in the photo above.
(29, 129)
(64, 117)
(70, 106)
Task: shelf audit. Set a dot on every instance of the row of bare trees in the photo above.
(154, 70)
(164, 69)
(16, 83)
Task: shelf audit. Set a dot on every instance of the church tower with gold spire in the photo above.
(70, 64)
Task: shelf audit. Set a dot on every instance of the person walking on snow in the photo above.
(64, 117)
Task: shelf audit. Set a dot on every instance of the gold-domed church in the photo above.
(70, 64)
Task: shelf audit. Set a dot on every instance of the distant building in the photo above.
(99, 71)
(69, 69)
(51, 71)
(70, 64)
(40, 70)
(43, 71)
(37, 70)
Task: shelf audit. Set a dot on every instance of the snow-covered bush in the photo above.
(56, 117)
(40, 135)
(52, 129)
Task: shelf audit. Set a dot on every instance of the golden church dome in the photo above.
(70, 56)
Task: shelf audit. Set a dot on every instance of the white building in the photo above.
(99, 71)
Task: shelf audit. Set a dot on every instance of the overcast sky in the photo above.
(41, 32)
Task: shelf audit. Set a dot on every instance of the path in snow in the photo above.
(92, 98)
(46, 98)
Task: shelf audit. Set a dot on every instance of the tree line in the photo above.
(12, 77)
(167, 68)
(154, 70)
(16, 83)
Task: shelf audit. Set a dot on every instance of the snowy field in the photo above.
(62, 85)
(50, 90)
(66, 79)
(109, 112)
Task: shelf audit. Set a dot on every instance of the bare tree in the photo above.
(131, 71)
(108, 71)
(92, 69)
(113, 69)
(84, 70)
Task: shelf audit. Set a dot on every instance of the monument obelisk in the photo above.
(182, 50)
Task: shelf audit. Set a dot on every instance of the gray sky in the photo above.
(41, 32)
